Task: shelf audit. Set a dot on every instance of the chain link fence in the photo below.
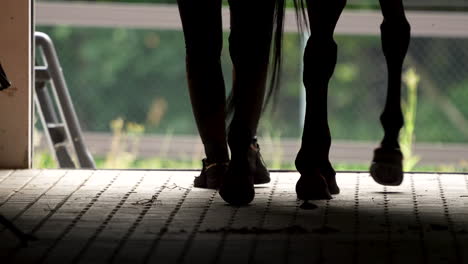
(138, 76)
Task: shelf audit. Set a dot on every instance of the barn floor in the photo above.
(122, 216)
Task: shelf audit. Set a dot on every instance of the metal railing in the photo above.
(62, 128)
(423, 23)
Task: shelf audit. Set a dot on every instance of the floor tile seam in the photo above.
(61, 203)
(76, 219)
(292, 222)
(7, 176)
(15, 251)
(30, 204)
(261, 222)
(466, 182)
(147, 206)
(388, 226)
(105, 222)
(449, 221)
(320, 237)
(220, 248)
(356, 220)
(18, 190)
(163, 230)
(418, 220)
(196, 228)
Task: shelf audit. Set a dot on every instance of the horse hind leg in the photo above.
(387, 164)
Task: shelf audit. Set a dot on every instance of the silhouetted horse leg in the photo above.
(249, 46)
(386, 167)
(201, 22)
(317, 179)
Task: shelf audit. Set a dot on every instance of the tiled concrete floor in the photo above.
(110, 216)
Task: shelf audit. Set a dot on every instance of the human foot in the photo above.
(211, 175)
(237, 187)
(261, 175)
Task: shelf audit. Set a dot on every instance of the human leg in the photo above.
(201, 21)
(249, 46)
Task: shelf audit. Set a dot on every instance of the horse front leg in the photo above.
(387, 168)
(317, 179)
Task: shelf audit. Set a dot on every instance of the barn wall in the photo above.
(15, 102)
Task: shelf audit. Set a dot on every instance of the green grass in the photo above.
(45, 160)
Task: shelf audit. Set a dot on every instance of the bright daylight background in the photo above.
(129, 90)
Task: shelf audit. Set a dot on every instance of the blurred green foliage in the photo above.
(114, 72)
(409, 106)
(46, 161)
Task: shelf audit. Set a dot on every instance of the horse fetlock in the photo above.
(312, 161)
(392, 120)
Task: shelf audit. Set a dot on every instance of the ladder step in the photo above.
(41, 74)
(58, 106)
(57, 133)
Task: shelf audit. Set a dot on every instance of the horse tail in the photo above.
(278, 29)
(276, 62)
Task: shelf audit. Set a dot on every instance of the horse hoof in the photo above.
(332, 185)
(387, 167)
(313, 187)
(329, 174)
(325, 170)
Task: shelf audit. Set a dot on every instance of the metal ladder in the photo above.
(56, 111)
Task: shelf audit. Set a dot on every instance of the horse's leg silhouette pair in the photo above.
(317, 179)
(249, 47)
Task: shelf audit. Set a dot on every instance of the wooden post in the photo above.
(15, 102)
